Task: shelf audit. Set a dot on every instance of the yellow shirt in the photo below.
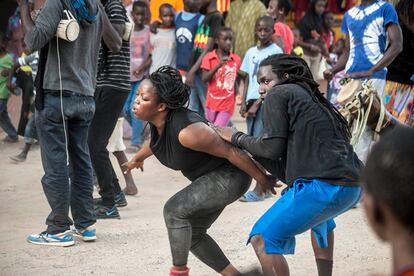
(298, 51)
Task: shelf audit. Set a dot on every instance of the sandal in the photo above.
(251, 196)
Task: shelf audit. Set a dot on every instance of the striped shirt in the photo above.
(29, 63)
(113, 68)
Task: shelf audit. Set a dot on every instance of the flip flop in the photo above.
(251, 196)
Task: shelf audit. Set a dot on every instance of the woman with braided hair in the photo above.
(306, 145)
(219, 172)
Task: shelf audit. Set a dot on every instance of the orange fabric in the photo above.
(223, 5)
(178, 5)
(283, 30)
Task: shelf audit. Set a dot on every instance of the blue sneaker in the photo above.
(85, 234)
(120, 200)
(102, 212)
(61, 239)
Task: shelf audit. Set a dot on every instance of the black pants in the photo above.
(25, 82)
(109, 102)
(190, 212)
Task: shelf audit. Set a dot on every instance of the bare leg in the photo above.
(324, 256)
(272, 264)
(130, 188)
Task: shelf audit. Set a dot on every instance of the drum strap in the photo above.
(360, 122)
(379, 126)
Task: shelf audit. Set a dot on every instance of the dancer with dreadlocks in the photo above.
(306, 145)
(219, 173)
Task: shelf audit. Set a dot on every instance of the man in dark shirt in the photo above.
(306, 145)
(113, 86)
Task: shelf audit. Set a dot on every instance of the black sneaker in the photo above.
(102, 212)
(120, 200)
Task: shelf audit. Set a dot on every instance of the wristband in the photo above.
(236, 138)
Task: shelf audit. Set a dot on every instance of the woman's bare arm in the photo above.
(137, 162)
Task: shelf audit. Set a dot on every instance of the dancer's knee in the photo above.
(258, 244)
(173, 212)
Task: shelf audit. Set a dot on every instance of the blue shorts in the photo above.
(308, 204)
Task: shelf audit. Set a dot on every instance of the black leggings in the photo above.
(190, 212)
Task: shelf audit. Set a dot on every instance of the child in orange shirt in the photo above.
(220, 68)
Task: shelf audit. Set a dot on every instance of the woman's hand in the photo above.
(224, 132)
(128, 166)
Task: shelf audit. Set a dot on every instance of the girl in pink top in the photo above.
(283, 36)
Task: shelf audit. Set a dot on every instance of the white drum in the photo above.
(68, 29)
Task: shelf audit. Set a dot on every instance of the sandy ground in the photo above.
(138, 245)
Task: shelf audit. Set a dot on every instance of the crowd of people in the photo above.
(174, 73)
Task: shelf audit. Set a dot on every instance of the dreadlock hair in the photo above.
(170, 87)
(298, 72)
(405, 10)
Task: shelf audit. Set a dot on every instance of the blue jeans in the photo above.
(136, 124)
(255, 124)
(5, 122)
(66, 186)
(198, 95)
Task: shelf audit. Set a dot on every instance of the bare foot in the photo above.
(131, 190)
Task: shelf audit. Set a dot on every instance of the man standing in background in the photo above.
(64, 109)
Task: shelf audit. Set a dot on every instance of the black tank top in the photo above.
(169, 151)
